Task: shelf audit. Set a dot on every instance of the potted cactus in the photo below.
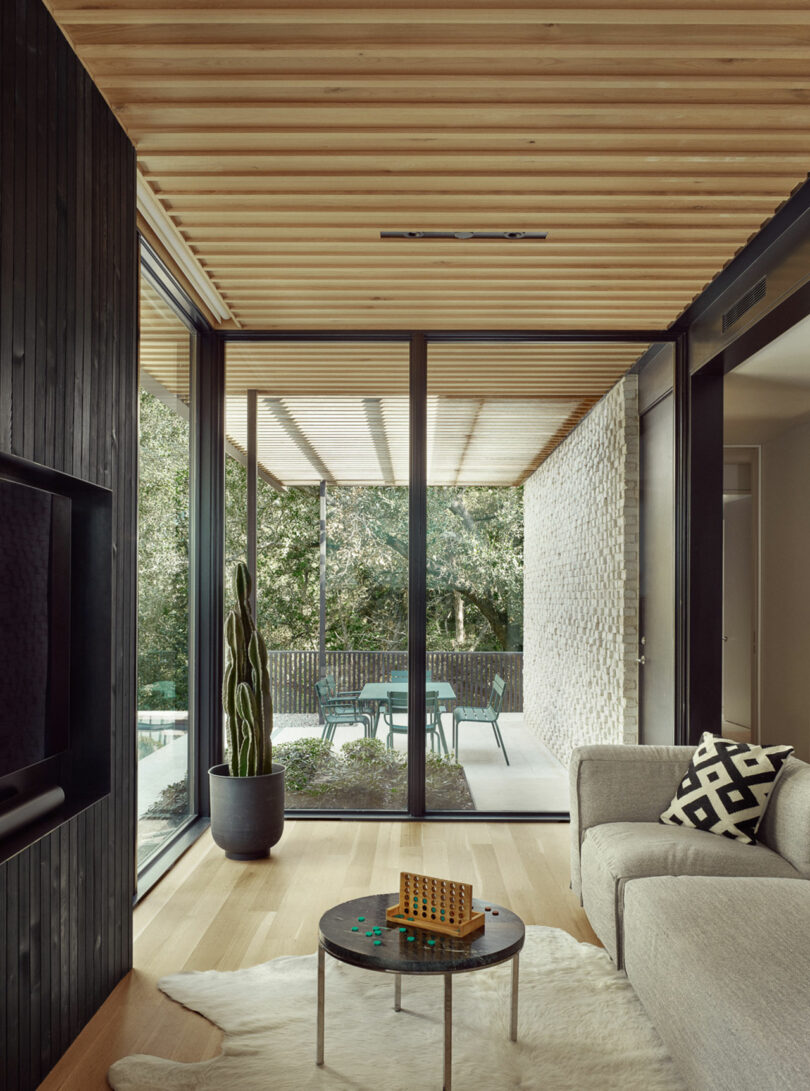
(247, 792)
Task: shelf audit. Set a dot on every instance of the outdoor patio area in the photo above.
(533, 781)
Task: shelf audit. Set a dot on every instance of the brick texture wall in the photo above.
(581, 582)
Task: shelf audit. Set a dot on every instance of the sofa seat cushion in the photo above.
(722, 966)
(616, 852)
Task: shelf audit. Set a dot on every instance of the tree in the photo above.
(163, 556)
(474, 557)
(474, 578)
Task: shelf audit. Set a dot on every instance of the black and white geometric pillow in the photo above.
(726, 787)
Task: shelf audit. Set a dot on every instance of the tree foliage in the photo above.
(163, 556)
(474, 577)
(474, 562)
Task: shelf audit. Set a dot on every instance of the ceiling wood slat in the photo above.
(651, 138)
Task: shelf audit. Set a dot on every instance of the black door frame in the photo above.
(701, 660)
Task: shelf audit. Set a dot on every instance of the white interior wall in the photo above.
(785, 581)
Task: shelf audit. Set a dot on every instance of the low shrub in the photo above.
(301, 759)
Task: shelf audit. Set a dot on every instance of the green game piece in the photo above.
(431, 942)
(399, 914)
(402, 928)
(355, 929)
(377, 942)
(410, 919)
(361, 918)
(411, 939)
(369, 933)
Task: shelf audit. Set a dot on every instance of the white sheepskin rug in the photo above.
(580, 1028)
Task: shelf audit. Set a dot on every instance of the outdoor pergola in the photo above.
(337, 411)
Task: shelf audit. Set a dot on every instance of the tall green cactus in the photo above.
(246, 688)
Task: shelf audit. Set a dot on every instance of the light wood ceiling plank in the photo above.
(651, 138)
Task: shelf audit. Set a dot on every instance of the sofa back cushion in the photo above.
(785, 828)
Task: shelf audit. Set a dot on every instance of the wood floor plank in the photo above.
(213, 913)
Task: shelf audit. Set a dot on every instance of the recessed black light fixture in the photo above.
(463, 234)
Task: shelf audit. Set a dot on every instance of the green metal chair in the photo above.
(398, 703)
(487, 715)
(339, 710)
(402, 676)
(368, 708)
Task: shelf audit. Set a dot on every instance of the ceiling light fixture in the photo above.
(463, 235)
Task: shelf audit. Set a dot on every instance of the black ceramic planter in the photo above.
(247, 813)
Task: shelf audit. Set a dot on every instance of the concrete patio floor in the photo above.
(533, 781)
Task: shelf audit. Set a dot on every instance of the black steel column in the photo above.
(705, 544)
(207, 561)
(417, 559)
(681, 457)
(322, 596)
(252, 481)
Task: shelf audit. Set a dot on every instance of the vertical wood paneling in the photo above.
(68, 400)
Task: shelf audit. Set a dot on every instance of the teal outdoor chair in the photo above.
(339, 710)
(402, 676)
(487, 715)
(368, 708)
(397, 704)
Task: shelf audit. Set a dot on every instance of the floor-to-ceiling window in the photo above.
(319, 504)
(166, 347)
(330, 526)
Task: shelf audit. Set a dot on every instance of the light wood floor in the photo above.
(213, 913)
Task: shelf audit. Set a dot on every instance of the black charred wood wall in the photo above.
(68, 400)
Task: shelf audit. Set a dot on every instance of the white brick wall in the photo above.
(580, 675)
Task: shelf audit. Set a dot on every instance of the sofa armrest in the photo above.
(616, 783)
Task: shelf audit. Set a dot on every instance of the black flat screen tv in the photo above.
(35, 594)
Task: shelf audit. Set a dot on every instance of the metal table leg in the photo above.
(448, 1032)
(397, 992)
(319, 1048)
(514, 1013)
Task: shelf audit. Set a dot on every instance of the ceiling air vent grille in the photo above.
(743, 304)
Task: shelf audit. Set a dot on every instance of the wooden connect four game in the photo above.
(437, 905)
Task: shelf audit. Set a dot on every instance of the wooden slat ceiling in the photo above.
(650, 138)
(339, 412)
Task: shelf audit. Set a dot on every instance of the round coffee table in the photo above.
(348, 934)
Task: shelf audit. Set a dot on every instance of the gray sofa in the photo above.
(713, 934)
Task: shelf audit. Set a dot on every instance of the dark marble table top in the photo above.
(502, 937)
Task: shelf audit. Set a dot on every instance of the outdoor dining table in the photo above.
(378, 691)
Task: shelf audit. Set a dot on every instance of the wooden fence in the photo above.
(293, 675)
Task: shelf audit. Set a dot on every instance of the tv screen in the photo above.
(34, 625)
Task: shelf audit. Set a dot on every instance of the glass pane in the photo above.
(163, 572)
(332, 516)
(518, 489)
